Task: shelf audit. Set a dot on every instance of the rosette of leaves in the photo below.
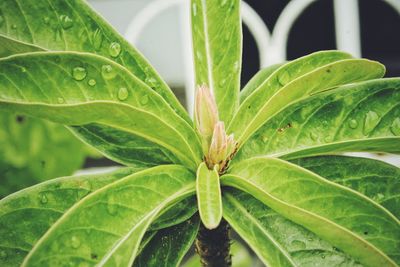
(282, 190)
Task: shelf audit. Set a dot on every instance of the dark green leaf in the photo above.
(168, 246)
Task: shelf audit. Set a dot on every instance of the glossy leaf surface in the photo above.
(278, 241)
(357, 117)
(209, 201)
(27, 215)
(217, 46)
(253, 113)
(71, 25)
(117, 99)
(345, 218)
(375, 179)
(168, 246)
(112, 220)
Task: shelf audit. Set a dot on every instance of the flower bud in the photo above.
(206, 115)
(219, 145)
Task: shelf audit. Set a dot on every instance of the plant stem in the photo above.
(213, 246)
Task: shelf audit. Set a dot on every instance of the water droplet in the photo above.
(144, 100)
(199, 55)
(151, 81)
(298, 245)
(328, 139)
(236, 66)
(43, 198)
(353, 124)
(194, 9)
(92, 82)
(222, 82)
(264, 138)
(309, 239)
(123, 93)
(284, 78)
(323, 256)
(66, 22)
(114, 49)
(14, 26)
(75, 242)
(108, 72)
(97, 39)
(46, 20)
(370, 122)
(378, 197)
(395, 127)
(23, 69)
(60, 100)
(313, 136)
(3, 255)
(79, 73)
(223, 3)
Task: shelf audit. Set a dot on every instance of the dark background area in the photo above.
(315, 30)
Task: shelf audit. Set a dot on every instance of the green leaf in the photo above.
(111, 221)
(375, 179)
(265, 104)
(71, 25)
(343, 217)
(208, 192)
(9, 46)
(178, 213)
(278, 241)
(257, 80)
(217, 46)
(26, 215)
(34, 150)
(356, 117)
(168, 246)
(118, 99)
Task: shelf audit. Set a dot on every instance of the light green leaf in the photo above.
(338, 120)
(343, 217)
(217, 46)
(257, 80)
(118, 99)
(33, 150)
(377, 180)
(71, 25)
(112, 221)
(208, 192)
(257, 109)
(278, 241)
(26, 215)
(168, 246)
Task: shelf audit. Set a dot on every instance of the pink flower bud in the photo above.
(219, 145)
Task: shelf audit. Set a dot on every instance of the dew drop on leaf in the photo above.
(79, 73)
(222, 82)
(97, 39)
(371, 120)
(115, 49)
(284, 78)
(236, 66)
(14, 26)
(43, 198)
(328, 139)
(223, 3)
(353, 124)
(123, 93)
(378, 197)
(92, 82)
(264, 138)
(23, 69)
(75, 242)
(151, 81)
(66, 22)
(108, 72)
(60, 100)
(395, 127)
(144, 100)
